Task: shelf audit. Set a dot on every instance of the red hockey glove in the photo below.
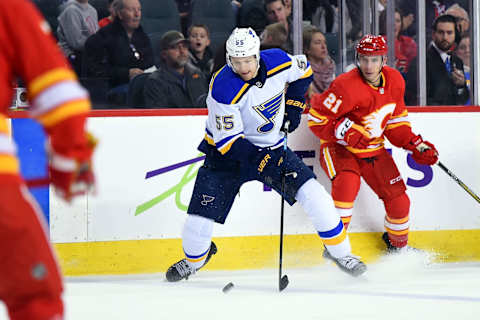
(353, 134)
(423, 152)
(72, 175)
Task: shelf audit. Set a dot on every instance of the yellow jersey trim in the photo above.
(47, 79)
(65, 111)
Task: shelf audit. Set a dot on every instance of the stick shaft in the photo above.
(457, 180)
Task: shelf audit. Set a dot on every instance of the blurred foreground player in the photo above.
(247, 107)
(352, 118)
(30, 281)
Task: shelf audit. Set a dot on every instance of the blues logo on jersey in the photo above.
(268, 111)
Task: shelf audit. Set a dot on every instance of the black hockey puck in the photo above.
(228, 287)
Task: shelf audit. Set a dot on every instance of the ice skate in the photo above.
(395, 250)
(182, 269)
(349, 264)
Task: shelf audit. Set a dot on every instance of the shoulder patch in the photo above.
(226, 87)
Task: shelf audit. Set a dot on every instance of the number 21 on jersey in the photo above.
(332, 103)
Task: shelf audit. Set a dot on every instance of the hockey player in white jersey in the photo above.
(247, 107)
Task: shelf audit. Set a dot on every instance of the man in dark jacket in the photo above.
(177, 83)
(446, 83)
(121, 50)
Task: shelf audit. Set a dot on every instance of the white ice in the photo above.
(396, 287)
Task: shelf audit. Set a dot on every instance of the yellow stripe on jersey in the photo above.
(355, 150)
(279, 68)
(65, 111)
(239, 94)
(214, 76)
(396, 125)
(47, 79)
(403, 114)
(209, 140)
(9, 164)
(224, 149)
(308, 73)
(4, 125)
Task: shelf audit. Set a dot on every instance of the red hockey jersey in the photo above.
(380, 110)
(29, 52)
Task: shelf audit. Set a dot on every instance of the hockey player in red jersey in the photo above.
(352, 118)
(30, 281)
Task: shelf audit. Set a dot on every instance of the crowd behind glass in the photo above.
(162, 54)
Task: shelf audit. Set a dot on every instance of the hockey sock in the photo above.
(196, 239)
(345, 188)
(345, 215)
(397, 220)
(318, 205)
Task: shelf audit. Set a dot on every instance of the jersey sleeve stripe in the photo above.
(47, 79)
(4, 125)
(9, 164)
(6, 145)
(57, 95)
(63, 112)
(396, 125)
(279, 68)
(401, 115)
(240, 93)
(308, 73)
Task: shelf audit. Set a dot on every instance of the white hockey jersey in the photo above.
(253, 111)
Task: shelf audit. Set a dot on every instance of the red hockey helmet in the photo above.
(371, 45)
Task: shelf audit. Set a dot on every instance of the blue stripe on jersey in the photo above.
(332, 233)
(220, 143)
(208, 132)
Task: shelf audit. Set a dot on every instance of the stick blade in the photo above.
(283, 283)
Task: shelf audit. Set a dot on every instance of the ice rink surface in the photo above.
(395, 287)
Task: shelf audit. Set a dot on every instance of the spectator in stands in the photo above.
(252, 14)
(107, 20)
(288, 7)
(277, 12)
(325, 14)
(446, 83)
(463, 20)
(120, 51)
(463, 52)
(177, 83)
(185, 11)
(323, 66)
(76, 23)
(274, 36)
(405, 47)
(201, 55)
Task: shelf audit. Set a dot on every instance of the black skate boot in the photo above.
(182, 269)
(394, 250)
(349, 264)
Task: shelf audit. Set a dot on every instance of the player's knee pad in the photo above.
(196, 239)
(345, 188)
(398, 207)
(318, 205)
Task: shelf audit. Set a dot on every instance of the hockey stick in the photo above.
(463, 185)
(282, 280)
